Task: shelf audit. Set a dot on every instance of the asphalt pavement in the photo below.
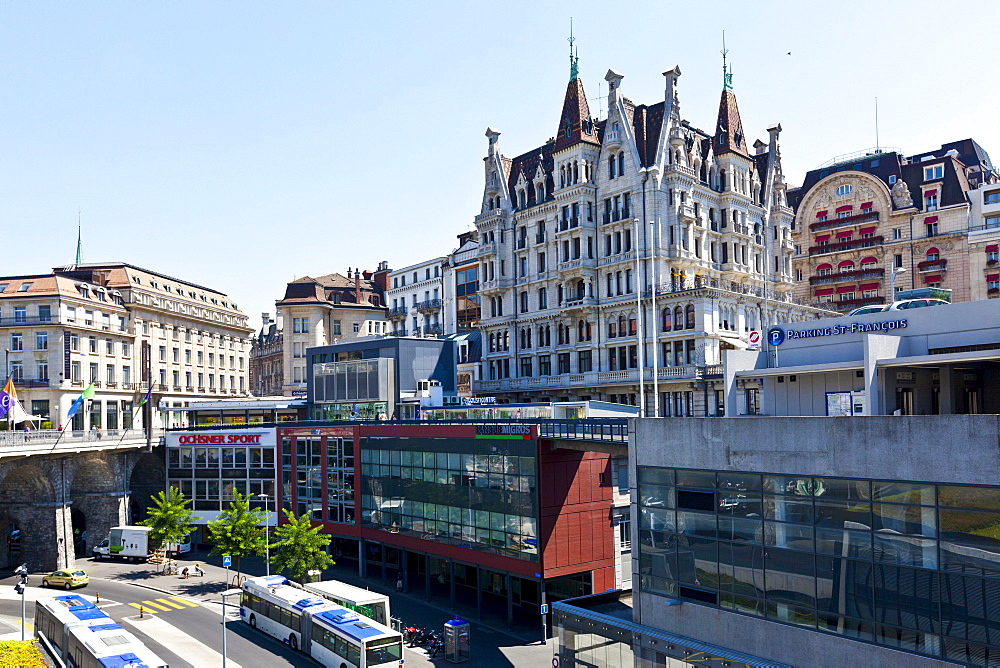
(192, 607)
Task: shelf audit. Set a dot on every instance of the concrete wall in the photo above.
(915, 448)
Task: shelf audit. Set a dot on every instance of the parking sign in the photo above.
(227, 561)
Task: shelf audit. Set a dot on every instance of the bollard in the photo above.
(98, 598)
(140, 612)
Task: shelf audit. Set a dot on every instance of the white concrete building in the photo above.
(415, 300)
(620, 258)
(87, 323)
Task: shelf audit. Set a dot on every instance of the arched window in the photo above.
(590, 333)
(933, 254)
(581, 331)
(632, 325)
(869, 263)
(621, 326)
(621, 164)
(541, 335)
(678, 318)
(506, 340)
(612, 330)
(846, 265)
(668, 321)
(611, 167)
(824, 269)
(689, 316)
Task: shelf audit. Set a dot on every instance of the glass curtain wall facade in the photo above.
(210, 474)
(450, 491)
(913, 566)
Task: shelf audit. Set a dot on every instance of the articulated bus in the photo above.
(84, 636)
(329, 633)
(368, 603)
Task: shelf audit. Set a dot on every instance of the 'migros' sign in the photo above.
(506, 431)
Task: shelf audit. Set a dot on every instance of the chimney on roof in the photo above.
(367, 275)
(265, 319)
(357, 286)
(381, 276)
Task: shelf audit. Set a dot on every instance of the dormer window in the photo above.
(934, 172)
(24, 287)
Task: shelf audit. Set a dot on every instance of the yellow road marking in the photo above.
(27, 625)
(182, 600)
(170, 603)
(157, 606)
(146, 607)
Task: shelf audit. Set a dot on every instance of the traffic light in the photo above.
(22, 572)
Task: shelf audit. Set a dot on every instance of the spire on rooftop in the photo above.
(79, 239)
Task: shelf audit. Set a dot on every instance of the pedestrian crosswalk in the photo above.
(168, 604)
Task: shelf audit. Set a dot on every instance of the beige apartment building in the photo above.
(865, 217)
(89, 323)
(325, 310)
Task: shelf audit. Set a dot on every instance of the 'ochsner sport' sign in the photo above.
(776, 335)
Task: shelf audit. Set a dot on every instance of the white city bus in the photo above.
(84, 636)
(331, 634)
(368, 603)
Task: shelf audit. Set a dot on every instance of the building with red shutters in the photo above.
(864, 216)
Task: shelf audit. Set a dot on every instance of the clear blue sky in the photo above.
(243, 144)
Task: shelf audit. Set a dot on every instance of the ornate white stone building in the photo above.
(634, 243)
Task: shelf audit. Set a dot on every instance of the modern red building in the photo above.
(493, 514)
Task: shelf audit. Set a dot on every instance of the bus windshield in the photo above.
(383, 651)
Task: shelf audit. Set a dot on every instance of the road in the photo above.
(183, 619)
(167, 617)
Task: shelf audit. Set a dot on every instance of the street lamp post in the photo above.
(892, 283)
(231, 592)
(267, 533)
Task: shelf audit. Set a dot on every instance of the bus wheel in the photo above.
(253, 621)
(293, 642)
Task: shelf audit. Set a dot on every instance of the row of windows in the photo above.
(227, 457)
(912, 565)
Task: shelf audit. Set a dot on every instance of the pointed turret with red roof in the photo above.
(729, 136)
(575, 124)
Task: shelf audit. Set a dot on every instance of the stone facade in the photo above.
(267, 358)
(63, 505)
(86, 323)
(325, 310)
(865, 216)
(634, 243)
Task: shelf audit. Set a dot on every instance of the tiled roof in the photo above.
(575, 124)
(729, 127)
(528, 163)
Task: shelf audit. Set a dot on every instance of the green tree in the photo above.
(169, 518)
(238, 531)
(299, 547)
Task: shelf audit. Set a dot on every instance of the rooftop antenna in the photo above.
(573, 58)
(727, 75)
(79, 238)
(876, 125)
(600, 100)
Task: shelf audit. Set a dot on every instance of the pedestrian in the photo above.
(27, 428)
(99, 432)
(399, 583)
(441, 577)
(186, 573)
(199, 570)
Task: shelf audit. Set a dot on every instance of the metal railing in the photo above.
(41, 437)
(588, 429)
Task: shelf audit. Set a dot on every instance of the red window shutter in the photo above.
(869, 286)
(846, 207)
(824, 291)
(820, 214)
(845, 288)
(866, 230)
(841, 235)
(930, 219)
(993, 248)
(934, 278)
(993, 277)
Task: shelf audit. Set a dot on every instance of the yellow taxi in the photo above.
(66, 579)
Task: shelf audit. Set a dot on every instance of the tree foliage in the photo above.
(169, 518)
(299, 547)
(238, 531)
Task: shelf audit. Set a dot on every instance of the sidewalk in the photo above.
(493, 645)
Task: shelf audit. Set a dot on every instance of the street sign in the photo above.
(754, 338)
(545, 608)
(227, 561)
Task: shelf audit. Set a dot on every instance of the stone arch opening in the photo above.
(28, 501)
(149, 476)
(97, 504)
